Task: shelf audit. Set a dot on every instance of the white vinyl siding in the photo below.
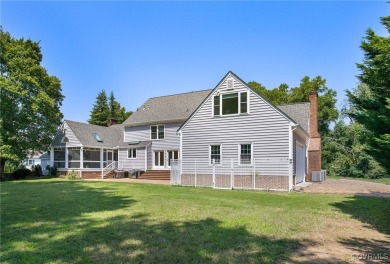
(171, 140)
(131, 163)
(265, 127)
(72, 140)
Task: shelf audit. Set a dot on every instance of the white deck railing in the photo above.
(258, 174)
(110, 167)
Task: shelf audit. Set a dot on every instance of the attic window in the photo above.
(64, 140)
(97, 137)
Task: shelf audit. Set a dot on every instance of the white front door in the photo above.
(299, 163)
(159, 160)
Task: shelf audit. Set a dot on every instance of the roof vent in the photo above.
(230, 84)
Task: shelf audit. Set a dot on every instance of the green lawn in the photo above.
(381, 180)
(60, 221)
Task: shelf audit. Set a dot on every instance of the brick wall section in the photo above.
(84, 174)
(314, 151)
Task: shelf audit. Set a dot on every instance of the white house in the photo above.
(230, 123)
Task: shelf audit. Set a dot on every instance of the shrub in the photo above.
(21, 173)
(72, 176)
(52, 170)
(37, 170)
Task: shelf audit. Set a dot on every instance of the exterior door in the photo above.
(172, 155)
(299, 163)
(109, 157)
(159, 160)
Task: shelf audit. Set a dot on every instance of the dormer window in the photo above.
(97, 137)
(230, 104)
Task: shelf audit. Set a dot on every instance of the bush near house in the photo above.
(21, 173)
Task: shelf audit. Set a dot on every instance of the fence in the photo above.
(259, 174)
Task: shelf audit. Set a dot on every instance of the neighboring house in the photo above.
(229, 122)
(42, 159)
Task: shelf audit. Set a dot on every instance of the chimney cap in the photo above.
(313, 92)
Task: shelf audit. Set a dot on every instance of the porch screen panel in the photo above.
(59, 158)
(91, 158)
(74, 158)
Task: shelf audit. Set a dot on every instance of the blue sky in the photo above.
(146, 49)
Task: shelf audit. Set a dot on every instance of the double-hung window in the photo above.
(215, 154)
(132, 153)
(245, 153)
(230, 104)
(157, 132)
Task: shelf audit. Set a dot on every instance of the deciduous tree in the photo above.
(30, 100)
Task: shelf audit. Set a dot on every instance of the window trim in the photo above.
(239, 153)
(128, 152)
(239, 103)
(157, 132)
(220, 154)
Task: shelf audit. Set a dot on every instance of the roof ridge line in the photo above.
(179, 93)
(294, 103)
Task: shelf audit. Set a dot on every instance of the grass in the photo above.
(380, 180)
(60, 221)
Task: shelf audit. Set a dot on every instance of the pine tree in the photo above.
(107, 108)
(100, 112)
(370, 104)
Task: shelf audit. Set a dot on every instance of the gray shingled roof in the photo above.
(57, 140)
(111, 136)
(135, 144)
(298, 112)
(170, 108)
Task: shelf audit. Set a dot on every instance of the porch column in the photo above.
(52, 157)
(66, 157)
(101, 158)
(81, 158)
(146, 158)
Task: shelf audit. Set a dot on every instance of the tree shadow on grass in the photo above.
(374, 212)
(36, 214)
(69, 222)
(140, 239)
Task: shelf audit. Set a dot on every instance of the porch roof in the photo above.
(135, 144)
(111, 136)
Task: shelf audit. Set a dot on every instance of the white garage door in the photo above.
(299, 163)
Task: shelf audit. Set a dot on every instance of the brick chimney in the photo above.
(112, 121)
(314, 151)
